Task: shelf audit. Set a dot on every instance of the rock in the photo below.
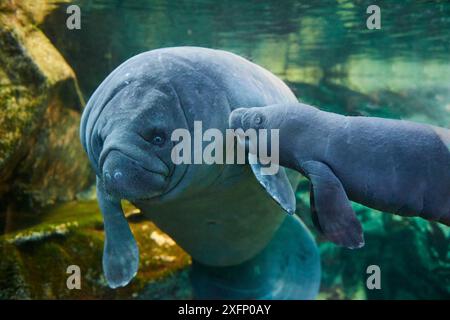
(176, 286)
(12, 282)
(35, 258)
(41, 159)
(161, 239)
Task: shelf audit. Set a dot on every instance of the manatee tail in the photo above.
(288, 268)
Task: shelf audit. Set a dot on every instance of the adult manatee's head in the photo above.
(127, 125)
(126, 130)
(127, 138)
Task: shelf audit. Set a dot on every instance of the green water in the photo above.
(329, 58)
(323, 49)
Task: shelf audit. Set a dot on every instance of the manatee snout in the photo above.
(249, 118)
(236, 119)
(127, 178)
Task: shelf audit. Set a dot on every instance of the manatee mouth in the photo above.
(105, 155)
(126, 177)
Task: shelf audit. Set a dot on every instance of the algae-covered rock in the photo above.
(41, 159)
(35, 256)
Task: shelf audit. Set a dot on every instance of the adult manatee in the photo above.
(242, 243)
(395, 166)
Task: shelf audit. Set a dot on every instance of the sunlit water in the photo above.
(323, 49)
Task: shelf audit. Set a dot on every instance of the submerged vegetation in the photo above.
(321, 49)
(35, 258)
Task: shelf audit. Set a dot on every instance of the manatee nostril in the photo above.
(117, 175)
(107, 176)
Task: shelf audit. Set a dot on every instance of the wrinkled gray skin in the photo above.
(219, 214)
(394, 166)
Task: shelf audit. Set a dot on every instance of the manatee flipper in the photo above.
(277, 185)
(314, 218)
(331, 207)
(120, 253)
(288, 268)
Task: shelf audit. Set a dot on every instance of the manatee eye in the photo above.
(258, 120)
(158, 139)
(155, 136)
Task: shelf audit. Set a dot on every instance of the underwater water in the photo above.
(327, 56)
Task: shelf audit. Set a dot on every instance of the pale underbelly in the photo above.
(222, 227)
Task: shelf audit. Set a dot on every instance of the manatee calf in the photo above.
(395, 166)
(229, 218)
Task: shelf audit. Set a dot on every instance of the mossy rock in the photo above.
(41, 158)
(38, 252)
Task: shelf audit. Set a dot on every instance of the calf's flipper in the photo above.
(120, 253)
(331, 207)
